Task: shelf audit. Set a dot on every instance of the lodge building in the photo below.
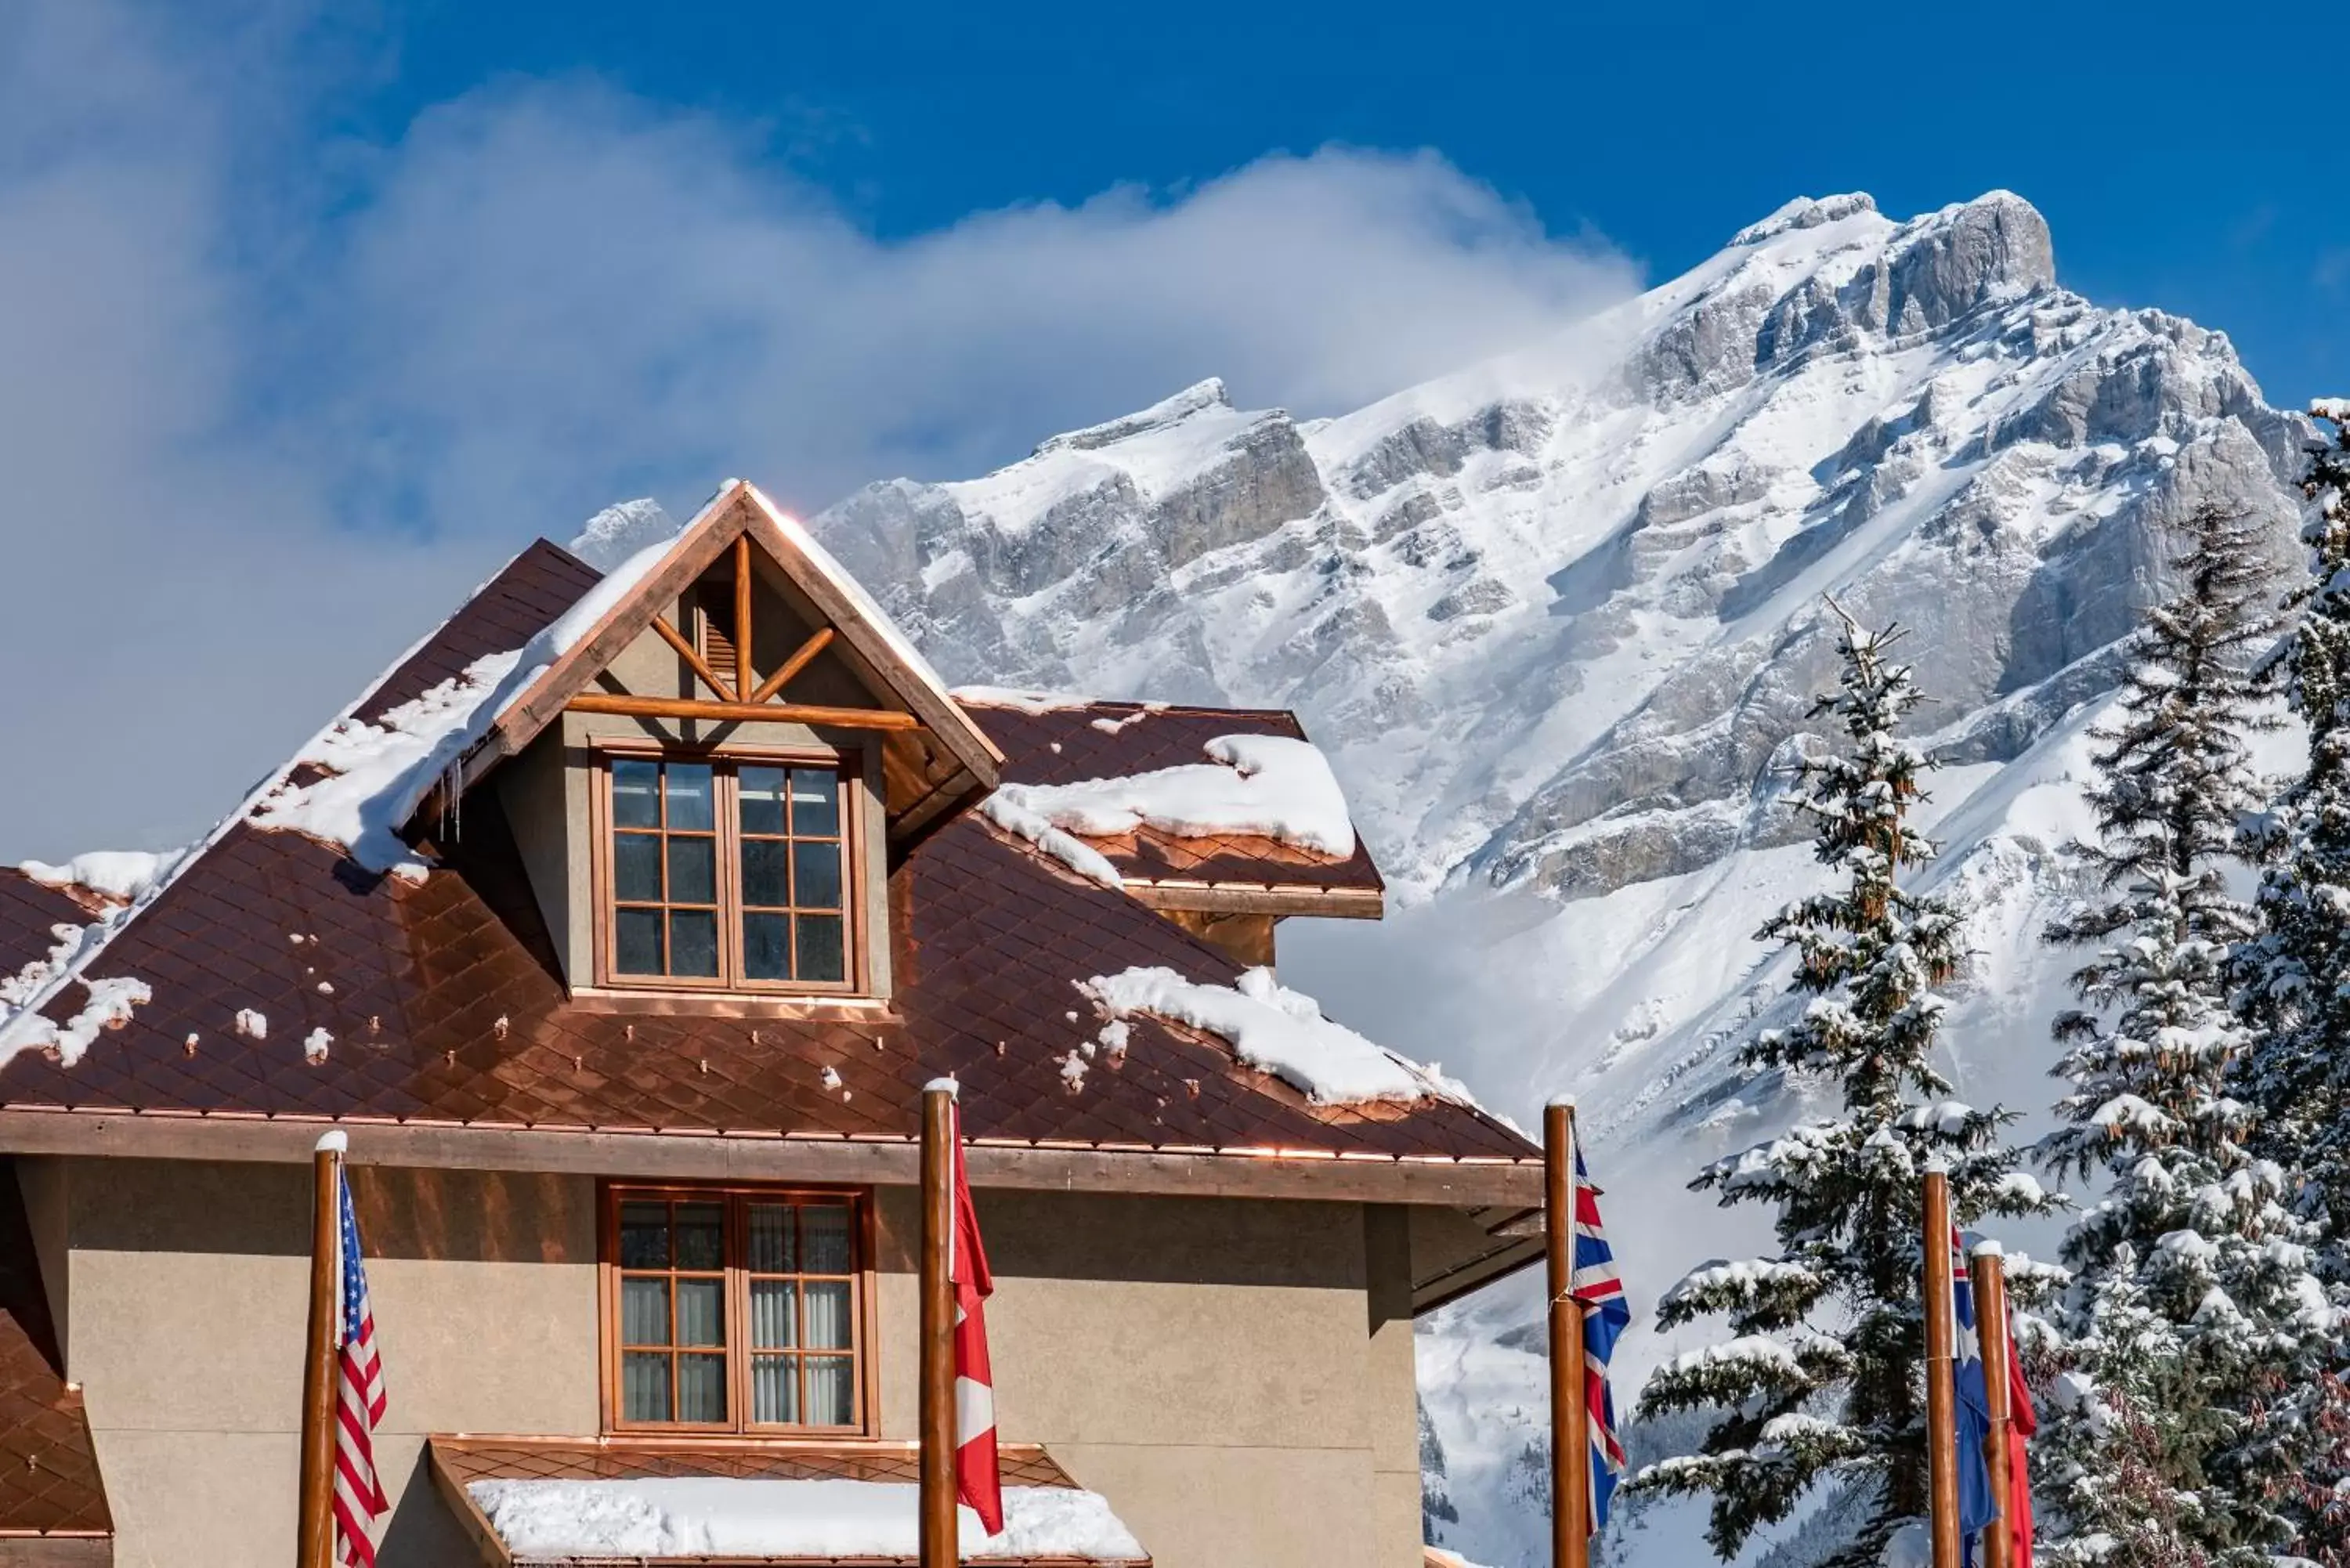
(618, 927)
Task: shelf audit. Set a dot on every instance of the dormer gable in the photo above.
(740, 546)
(709, 787)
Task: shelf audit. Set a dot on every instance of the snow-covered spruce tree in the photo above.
(1823, 1379)
(2157, 1382)
(2295, 990)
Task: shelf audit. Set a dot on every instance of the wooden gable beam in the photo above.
(742, 712)
(701, 671)
(799, 660)
(743, 618)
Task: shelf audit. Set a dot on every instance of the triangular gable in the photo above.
(938, 740)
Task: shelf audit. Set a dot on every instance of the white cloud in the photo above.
(255, 443)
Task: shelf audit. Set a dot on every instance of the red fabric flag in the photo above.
(2023, 1422)
(978, 1482)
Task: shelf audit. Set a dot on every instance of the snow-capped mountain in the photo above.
(1557, 615)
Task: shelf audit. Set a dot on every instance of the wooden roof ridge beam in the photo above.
(742, 712)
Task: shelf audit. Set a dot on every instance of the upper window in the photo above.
(728, 873)
(737, 1311)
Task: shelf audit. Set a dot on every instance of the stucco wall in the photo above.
(1236, 1376)
(187, 1290)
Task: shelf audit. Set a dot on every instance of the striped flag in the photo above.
(359, 1401)
(1605, 1315)
(979, 1484)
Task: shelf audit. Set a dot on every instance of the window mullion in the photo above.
(725, 800)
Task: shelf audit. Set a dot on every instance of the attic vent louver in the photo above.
(714, 610)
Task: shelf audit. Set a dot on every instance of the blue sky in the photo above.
(2177, 151)
(311, 312)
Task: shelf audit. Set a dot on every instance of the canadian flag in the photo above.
(978, 1483)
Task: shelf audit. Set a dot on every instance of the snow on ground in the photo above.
(1275, 1030)
(707, 1516)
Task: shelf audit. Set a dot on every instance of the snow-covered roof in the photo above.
(1272, 786)
(1277, 1031)
(820, 1520)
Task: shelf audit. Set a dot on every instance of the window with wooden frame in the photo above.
(737, 1309)
(720, 871)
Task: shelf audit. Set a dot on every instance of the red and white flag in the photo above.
(359, 1501)
(978, 1483)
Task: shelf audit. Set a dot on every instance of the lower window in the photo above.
(737, 1310)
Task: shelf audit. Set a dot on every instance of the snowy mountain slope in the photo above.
(1556, 617)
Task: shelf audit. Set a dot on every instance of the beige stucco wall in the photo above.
(187, 1290)
(1236, 1376)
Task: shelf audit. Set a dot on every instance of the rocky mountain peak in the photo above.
(1191, 401)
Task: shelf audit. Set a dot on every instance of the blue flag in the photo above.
(1971, 1409)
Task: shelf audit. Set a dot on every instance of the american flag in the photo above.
(1606, 1315)
(358, 1403)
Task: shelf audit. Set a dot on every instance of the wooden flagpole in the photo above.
(1989, 1267)
(939, 1548)
(314, 1538)
(1941, 1392)
(1570, 1425)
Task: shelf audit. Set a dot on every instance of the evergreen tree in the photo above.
(1825, 1379)
(2158, 1375)
(2296, 975)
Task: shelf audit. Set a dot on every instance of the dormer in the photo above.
(709, 786)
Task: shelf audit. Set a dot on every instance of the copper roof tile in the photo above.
(447, 1006)
(29, 912)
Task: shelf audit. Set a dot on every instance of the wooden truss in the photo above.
(738, 701)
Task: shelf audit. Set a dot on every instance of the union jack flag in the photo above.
(358, 1403)
(1606, 1315)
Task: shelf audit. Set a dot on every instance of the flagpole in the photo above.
(1989, 1267)
(1570, 1422)
(939, 1548)
(1941, 1391)
(315, 1536)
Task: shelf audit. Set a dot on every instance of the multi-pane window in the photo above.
(728, 872)
(737, 1311)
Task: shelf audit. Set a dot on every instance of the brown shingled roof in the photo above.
(1118, 739)
(50, 1491)
(445, 1006)
(29, 912)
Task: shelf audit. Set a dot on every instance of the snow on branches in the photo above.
(1799, 1408)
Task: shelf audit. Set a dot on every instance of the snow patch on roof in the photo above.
(711, 1516)
(1270, 785)
(1031, 703)
(378, 772)
(121, 874)
(1006, 810)
(1277, 1031)
(23, 995)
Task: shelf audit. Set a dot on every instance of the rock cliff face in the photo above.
(1556, 613)
(1559, 619)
